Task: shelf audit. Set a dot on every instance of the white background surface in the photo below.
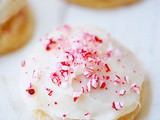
(136, 26)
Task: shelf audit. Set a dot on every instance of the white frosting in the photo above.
(9, 8)
(97, 102)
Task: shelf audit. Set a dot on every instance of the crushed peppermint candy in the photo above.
(126, 79)
(109, 52)
(107, 68)
(87, 74)
(102, 84)
(117, 105)
(88, 36)
(50, 92)
(135, 88)
(87, 116)
(31, 91)
(98, 40)
(55, 103)
(122, 92)
(117, 80)
(64, 116)
(89, 85)
(49, 45)
(94, 81)
(76, 95)
(23, 63)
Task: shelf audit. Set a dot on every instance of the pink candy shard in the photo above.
(102, 84)
(23, 63)
(122, 92)
(117, 105)
(135, 88)
(76, 95)
(87, 116)
(126, 79)
(94, 81)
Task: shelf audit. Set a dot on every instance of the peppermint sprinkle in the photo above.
(94, 81)
(64, 116)
(49, 45)
(30, 91)
(50, 91)
(90, 59)
(135, 88)
(107, 77)
(87, 74)
(102, 84)
(98, 40)
(109, 53)
(69, 56)
(23, 63)
(87, 116)
(89, 85)
(117, 80)
(76, 95)
(117, 105)
(90, 69)
(126, 79)
(107, 68)
(122, 92)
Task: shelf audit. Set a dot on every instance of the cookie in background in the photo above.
(16, 25)
(102, 4)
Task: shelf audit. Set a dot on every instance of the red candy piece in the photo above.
(30, 91)
(98, 40)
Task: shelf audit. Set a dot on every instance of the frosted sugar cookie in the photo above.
(82, 73)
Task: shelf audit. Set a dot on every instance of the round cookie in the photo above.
(16, 31)
(82, 73)
(9, 8)
(101, 4)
